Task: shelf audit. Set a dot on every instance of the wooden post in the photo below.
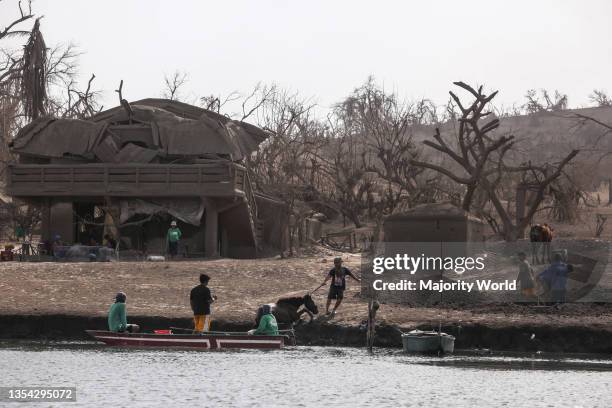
(373, 306)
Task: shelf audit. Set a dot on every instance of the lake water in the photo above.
(305, 377)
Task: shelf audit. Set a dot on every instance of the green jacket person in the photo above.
(267, 323)
(117, 316)
(173, 237)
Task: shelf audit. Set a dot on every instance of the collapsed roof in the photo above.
(141, 132)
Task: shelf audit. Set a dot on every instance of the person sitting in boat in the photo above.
(117, 316)
(267, 324)
(200, 299)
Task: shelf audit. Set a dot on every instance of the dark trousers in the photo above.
(173, 248)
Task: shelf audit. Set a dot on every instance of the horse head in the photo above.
(310, 304)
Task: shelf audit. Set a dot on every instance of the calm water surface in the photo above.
(305, 377)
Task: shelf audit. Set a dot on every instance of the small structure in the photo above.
(439, 222)
(129, 170)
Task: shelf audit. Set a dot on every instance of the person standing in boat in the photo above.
(267, 324)
(173, 238)
(338, 276)
(201, 299)
(117, 316)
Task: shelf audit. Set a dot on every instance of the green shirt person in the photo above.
(173, 237)
(19, 232)
(117, 316)
(267, 324)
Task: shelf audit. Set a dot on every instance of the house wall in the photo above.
(468, 234)
(236, 234)
(273, 216)
(426, 230)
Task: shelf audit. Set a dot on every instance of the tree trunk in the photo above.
(521, 193)
(469, 195)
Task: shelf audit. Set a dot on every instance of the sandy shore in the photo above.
(162, 289)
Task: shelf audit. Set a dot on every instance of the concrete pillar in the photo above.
(45, 222)
(62, 221)
(211, 240)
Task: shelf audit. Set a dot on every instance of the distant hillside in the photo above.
(559, 132)
(547, 136)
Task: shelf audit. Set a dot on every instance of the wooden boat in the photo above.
(417, 341)
(207, 341)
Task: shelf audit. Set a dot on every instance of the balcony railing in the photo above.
(214, 179)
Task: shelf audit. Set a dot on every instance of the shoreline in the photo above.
(561, 339)
(61, 300)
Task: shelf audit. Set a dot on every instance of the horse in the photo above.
(287, 310)
(540, 237)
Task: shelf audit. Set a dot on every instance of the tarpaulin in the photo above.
(58, 138)
(188, 210)
(176, 129)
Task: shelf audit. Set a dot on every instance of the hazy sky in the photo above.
(324, 49)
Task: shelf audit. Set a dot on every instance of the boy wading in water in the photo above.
(338, 285)
(200, 299)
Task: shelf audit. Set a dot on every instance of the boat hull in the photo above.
(195, 341)
(428, 342)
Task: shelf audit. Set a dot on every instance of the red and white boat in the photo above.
(207, 341)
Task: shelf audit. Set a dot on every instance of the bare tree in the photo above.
(80, 103)
(11, 68)
(481, 156)
(250, 104)
(173, 84)
(377, 167)
(545, 102)
(473, 145)
(33, 74)
(280, 166)
(346, 166)
(600, 98)
(218, 103)
(12, 29)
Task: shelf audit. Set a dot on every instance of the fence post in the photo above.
(373, 306)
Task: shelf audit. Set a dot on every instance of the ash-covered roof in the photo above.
(438, 211)
(151, 128)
